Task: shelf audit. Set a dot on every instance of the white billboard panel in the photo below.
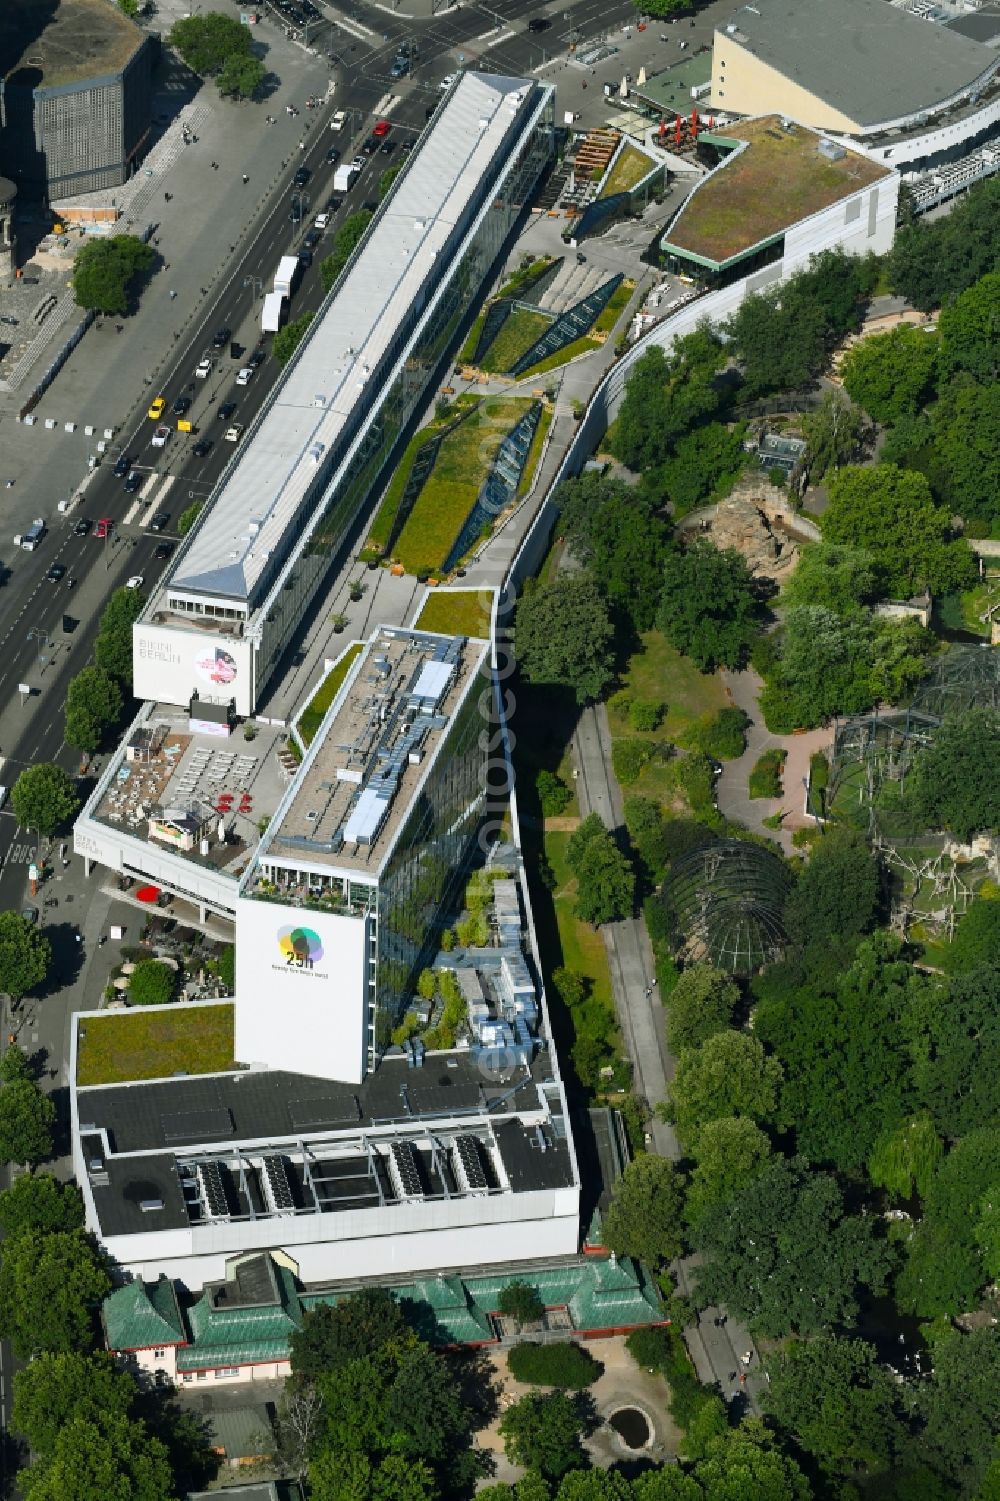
(301, 990)
(169, 665)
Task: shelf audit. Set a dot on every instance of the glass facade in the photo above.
(285, 609)
(427, 863)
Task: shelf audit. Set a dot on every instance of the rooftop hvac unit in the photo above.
(832, 150)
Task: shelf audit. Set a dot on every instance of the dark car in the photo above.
(162, 550)
(226, 411)
(301, 177)
(370, 206)
(295, 212)
(122, 466)
(82, 528)
(202, 447)
(539, 23)
(160, 521)
(257, 359)
(133, 482)
(181, 405)
(333, 204)
(370, 145)
(312, 239)
(56, 573)
(400, 67)
(387, 148)
(306, 256)
(406, 148)
(221, 338)
(333, 155)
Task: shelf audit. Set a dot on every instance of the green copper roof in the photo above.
(143, 1315)
(248, 1318)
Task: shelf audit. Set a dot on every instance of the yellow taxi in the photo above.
(157, 409)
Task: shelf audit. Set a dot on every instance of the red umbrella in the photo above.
(147, 893)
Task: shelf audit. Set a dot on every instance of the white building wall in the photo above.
(170, 664)
(396, 1251)
(302, 989)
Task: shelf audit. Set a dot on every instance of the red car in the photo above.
(104, 527)
(381, 129)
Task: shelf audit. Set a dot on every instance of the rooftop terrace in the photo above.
(774, 181)
(50, 46)
(370, 755)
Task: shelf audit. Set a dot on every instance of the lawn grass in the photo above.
(562, 356)
(312, 714)
(451, 489)
(660, 673)
(534, 452)
(385, 517)
(153, 1044)
(631, 167)
(468, 349)
(516, 336)
(457, 612)
(582, 946)
(617, 303)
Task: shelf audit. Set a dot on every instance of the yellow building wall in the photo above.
(745, 85)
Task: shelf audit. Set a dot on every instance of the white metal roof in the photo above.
(262, 494)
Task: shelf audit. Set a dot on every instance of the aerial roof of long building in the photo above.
(871, 60)
(263, 492)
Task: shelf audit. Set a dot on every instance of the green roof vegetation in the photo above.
(65, 43)
(457, 612)
(452, 487)
(516, 336)
(630, 168)
(312, 715)
(151, 1044)
(617, 303)
(562, 356)
(777, 180)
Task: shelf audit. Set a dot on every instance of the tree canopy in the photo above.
(208, 42)
(728, 1153)
(44, 798)
(25, 954)
(709, 608)
(892, 374)
(605, 879)
(644, 1218)
(837, 894)
(702, 1003)
(332, 1336)
(954, 782)
(287, 340)
(890, 513)
(50, 1286)
(37, 1201)
(101, 1459)
(54, 1388)
(839, 579)
(104, 272)
(543, 1432)
(728, 1074)
(563, 636)
(968, 329)
(93, 704)
(151, 983)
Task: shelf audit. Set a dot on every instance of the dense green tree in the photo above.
(51, 1283)
(543, 1432)
(101, 1459)
(644, 1218)
(844, 1054)
(53, 1389)
(728, 1074)
(241, 77)
(563, 636)
(954, 783)
(976, 939)
(959, 1407)
(890, 513)
(93, 704)
(113, 648)
(206, 43)
(838, 1402)
(966, 423)
(905, 1157)
(746, 1463)
(287, 340)
(605, 882)
(665, 397)
(839, 579)
(27, 1119)
(354, 1477)
(970, 331)
(944, 1268)
(837, 893)
(227, 968)
(347, 239)
(44, 798)
(562, 1364)
(709, 608)
(703, 1002)
(783, 1254)
(780, 341)
(612, 530)
(333, 1336)
(954, 1037)
(647, 829)
(39, 1202)
(833, 432)
(892, 374)
(15, 1065)
(151, 983)
(104, 271)
(728, 1154)
(521, 1302)
(704, 466)
(25, 955)
(932, 263)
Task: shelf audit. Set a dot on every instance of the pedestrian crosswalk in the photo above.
(150, 499)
